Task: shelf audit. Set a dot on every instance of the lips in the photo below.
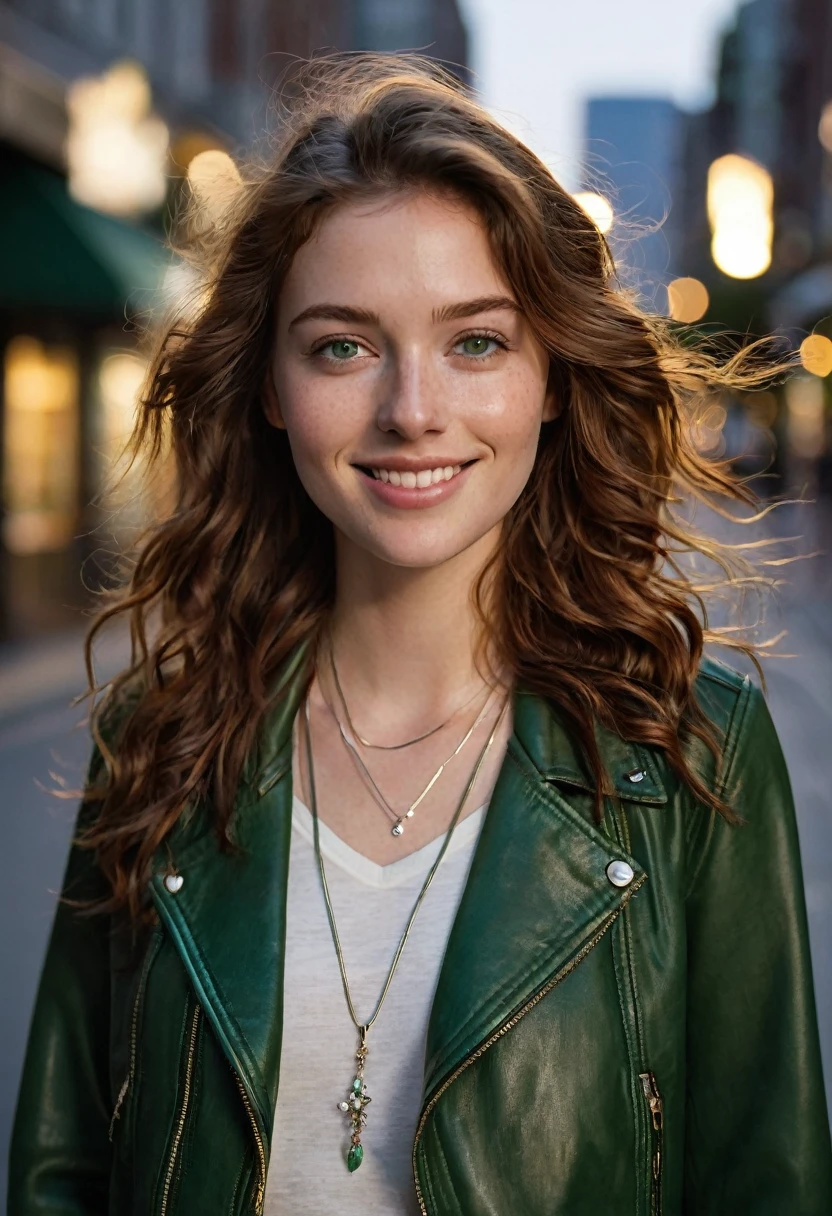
(409, 485)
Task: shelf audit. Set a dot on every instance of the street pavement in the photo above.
(44, 746)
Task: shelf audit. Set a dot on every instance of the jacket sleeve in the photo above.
(757, 1130)
(60, 1150)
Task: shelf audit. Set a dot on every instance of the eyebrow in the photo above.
(365, 316)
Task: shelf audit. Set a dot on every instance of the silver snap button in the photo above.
(635, 775)
(173, 882)
(620, 873)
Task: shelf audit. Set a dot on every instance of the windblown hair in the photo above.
(590, 601)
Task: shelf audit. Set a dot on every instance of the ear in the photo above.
(271, 404)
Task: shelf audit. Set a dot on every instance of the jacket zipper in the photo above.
(654, 1101)
(128, 1080)
(261, 1152)
(513, 1020)
(183, 1110)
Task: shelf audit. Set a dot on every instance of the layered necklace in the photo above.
(349, 740)
(357, 1098)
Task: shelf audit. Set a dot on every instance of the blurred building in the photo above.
(632, 158)
(773, 108)
(103, 104)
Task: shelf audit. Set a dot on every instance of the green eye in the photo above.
(477, 344)
(343, 348)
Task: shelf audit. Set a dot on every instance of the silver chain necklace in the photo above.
(385, 747)
(357, 1097)
(369, 780)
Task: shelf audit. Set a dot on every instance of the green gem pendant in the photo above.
(353, 1106)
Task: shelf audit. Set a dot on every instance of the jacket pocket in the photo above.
(655, 1107)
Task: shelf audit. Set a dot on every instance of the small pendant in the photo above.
(398, 828)
(353, 1106)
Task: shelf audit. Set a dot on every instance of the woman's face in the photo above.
(411, 387)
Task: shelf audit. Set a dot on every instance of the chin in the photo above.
(409, 550)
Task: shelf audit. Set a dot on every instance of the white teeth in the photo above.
(422, 479)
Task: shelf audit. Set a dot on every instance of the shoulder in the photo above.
(739, 722)
(733, 701)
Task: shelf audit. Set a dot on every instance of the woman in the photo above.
(417, 638)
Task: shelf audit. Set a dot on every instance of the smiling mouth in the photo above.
(412, 479)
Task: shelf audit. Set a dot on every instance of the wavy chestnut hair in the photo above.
(590, 602)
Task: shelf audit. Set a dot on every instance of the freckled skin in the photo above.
(410, 385)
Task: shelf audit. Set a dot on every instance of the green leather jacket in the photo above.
(594, 1049)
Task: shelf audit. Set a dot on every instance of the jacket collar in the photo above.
(537, 891)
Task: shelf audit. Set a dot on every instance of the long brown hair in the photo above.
(591, 604)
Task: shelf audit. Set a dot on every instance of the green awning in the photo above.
(58, 255)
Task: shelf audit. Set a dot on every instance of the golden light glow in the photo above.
(805, 423)
(825, 127)
(40, 439)
(740, 202)
(122, 483)
(215, 181)
(687, 300)
(816, 354)
(116, 148)
(597, 208)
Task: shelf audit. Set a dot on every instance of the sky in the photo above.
(536, 61)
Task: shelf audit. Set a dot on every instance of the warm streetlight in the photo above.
(816, 354)
(740, 201)
(687, 300)
(116, 148)
(597, 208)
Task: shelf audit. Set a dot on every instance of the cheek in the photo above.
(320, 417)
(515, 417)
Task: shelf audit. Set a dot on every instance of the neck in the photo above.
(406, 640)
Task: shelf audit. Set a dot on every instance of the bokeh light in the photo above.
(816, 354)
(116, 148)
(687, 300)
(740, 201)
(597, 208)
(215, 181)
(805, 421)
(825, 127)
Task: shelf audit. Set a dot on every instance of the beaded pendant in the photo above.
(353, 1106)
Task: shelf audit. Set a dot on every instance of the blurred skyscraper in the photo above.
(632, 158)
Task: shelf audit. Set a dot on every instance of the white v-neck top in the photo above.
(308, 1172)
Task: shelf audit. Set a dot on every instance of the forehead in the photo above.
(400, 250)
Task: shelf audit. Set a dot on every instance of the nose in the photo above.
(412, 402)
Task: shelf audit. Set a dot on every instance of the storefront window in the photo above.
(40, 446)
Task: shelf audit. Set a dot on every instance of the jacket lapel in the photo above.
(228, 918)
(537, 890)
